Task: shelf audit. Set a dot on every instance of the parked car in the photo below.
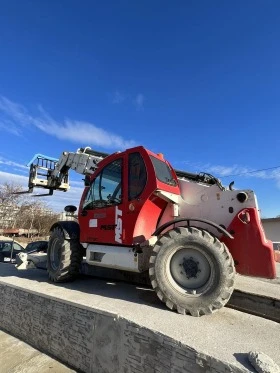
(9, 249)
(37, 246)
(26, 258)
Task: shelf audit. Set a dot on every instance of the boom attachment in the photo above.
(53, 174)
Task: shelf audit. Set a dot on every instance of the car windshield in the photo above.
(37, 246)
(5, 246)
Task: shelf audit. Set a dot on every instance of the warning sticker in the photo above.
(93, 223)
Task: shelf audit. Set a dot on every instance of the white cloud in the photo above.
(57, 201)
(226, 170)
(221, 171)
(118, 97)
(13, 110)
(6, 177)
(139, 101)
(61, 199)
(14, 117)
(6, 162)
(10, 127)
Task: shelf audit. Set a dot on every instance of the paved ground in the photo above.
(259, 285)
(18, 357)
(227, 334)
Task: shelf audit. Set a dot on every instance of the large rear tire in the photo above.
(64, 257)
(192, 271)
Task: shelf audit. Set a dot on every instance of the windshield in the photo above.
(106, 189)
(7, 246)
(163, 172)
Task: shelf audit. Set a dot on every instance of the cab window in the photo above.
(163, 171)
(106, 188)
(137, 177)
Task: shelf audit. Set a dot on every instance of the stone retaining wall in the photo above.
(91, 340)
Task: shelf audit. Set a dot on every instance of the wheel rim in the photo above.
(55, 254)
(190, 269)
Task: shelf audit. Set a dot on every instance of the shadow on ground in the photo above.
(106, 287)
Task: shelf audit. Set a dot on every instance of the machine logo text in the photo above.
(118, 227)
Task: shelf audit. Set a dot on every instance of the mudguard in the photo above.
(71, 229)
(252, 253)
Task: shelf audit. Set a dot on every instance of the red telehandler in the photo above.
(139, 214)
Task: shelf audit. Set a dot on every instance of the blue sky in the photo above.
(196, 80)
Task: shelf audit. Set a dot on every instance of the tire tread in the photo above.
(200, 234)
(71, 257)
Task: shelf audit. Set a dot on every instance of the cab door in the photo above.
(100, 214)
(143, 207)
(120, 206)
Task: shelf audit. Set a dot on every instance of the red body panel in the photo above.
(252, 253)
(147, 219)
(136, 219)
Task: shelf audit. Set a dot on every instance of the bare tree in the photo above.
(9, 202)
(44, 222)
(38, 216)
(20, 211)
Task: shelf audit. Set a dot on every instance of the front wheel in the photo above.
(192, 271)
(64, 257)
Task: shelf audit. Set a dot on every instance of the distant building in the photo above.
(17, 232)
(271, 227)
(66, 216)
(8, 215)
(11, 215)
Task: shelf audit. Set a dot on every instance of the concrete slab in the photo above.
(258, 296)
(19, 357)
(227, 335)
(260, 285)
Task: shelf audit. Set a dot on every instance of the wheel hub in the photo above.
(190, 267)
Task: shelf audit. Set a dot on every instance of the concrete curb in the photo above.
(92, 340)
(258, 305)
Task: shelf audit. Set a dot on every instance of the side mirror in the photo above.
(70, 208)
(87, 180)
